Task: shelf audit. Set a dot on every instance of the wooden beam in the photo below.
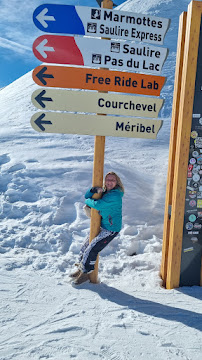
(183, 142)
(172, 147)
(98, 170)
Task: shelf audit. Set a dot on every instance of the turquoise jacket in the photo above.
(109, 207)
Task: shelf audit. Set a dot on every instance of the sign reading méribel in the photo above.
(122, 55)
(67, 123)
(82, 20)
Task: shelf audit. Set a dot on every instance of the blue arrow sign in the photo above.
(83, 20)
(56, 18)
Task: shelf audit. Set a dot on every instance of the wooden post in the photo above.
(182, 144)
(98, 170)
(172, 147)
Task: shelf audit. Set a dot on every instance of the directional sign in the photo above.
(97, 79)
(100, 53)
(83, 20)
(87, 101)
(66, 123)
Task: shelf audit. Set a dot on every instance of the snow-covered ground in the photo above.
(43, 178)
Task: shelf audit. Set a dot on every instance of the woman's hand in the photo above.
(99, 190)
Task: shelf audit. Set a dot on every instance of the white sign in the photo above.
(123, 25)
(95, 102)
(67, 123)
(120, 55)
(115, 24)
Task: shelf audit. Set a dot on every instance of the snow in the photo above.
(43, 178)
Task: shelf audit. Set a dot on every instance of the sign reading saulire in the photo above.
(92, 52)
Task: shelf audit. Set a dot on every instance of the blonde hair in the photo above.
(118, 180)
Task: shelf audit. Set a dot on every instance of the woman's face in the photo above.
(110, 182)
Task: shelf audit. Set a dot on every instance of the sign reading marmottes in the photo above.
(87, 101)
(67, 123)
(83, 20)
(97, 79)
(121, 55)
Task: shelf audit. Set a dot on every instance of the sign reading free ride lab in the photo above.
(97, 79)
(83, 20)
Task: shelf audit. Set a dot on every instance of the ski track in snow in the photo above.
(94, 320)
(43, 178)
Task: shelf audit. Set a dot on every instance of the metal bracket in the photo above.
(169, 211)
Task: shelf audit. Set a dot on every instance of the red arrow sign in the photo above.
(57, 49)
(123, 55)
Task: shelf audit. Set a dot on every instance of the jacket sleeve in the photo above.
(102, 204)
(90, 192)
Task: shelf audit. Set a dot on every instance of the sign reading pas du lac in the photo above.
(122, 55)
(82, 20)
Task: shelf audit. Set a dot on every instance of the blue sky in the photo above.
(18, 32)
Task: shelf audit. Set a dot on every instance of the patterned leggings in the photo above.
(88, 253)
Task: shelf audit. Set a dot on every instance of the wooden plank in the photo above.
(183, 141)
(172, 147)
(98, 170)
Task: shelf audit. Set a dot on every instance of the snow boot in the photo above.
(75, 274)
(82, 278)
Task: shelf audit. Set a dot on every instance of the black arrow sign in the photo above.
(41, 75)
(40, 98)
(39, 122)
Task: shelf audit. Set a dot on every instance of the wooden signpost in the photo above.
(149, 59)
(97, 179)
(182, 243)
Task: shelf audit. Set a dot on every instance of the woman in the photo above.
(110, 210)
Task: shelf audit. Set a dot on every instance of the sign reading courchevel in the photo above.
(82, 20)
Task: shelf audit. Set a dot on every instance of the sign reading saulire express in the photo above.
(83, 20)
(94, 102)
(67, 123)
(97, 79)
(100, 53)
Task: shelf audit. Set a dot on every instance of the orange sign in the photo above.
(98, 79)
